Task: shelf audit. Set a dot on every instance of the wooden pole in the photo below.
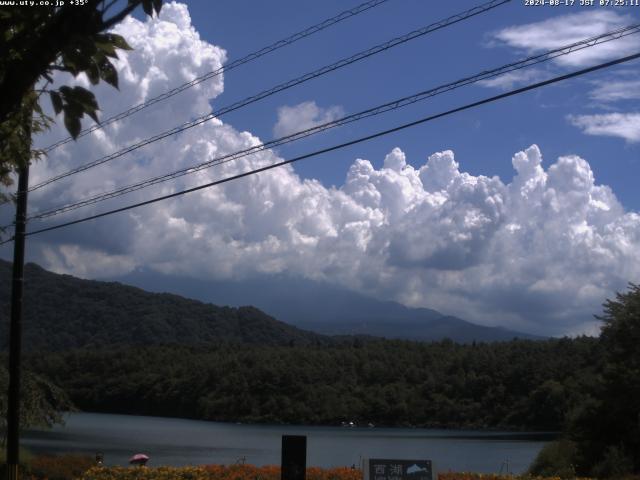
(15, 332)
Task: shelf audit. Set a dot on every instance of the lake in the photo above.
(173, 441)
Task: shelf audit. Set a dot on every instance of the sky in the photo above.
(520, 213)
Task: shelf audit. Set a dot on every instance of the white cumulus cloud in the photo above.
(540, 253)
(292, 119)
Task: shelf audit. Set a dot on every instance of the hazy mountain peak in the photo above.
(325, 308)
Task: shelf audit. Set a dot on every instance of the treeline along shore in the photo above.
(518, 385)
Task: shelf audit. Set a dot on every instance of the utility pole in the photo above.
(15, 332)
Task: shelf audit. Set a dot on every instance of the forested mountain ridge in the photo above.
(63, 312)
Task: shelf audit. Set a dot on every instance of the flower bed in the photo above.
(250, 472)
(60, 467)
(73, 467)
(214, 472)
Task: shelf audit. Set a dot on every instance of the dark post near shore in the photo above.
(15, 331)
(294, 457)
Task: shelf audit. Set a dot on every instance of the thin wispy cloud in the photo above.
(562, 30)
(621, 125)
(611, 90)
(514, 79)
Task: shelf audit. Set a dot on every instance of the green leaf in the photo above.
(84, 97)
(85, 101)
(78, 54)
(107, 49)
(147, 6)
(108, 73)
(119, 42)
(105, 45)
(93, 74)
(37, 108)
(69, 64)
(77, 102)
(74, 109)
(93, 115)
(85, 46)
(75, 60)
(56, 101)
(72, 122)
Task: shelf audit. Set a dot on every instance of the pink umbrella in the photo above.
(139, 459)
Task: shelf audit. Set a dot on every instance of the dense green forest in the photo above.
(517, 385)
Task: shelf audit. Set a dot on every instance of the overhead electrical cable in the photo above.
(345, 144)
(402, 102)
(283, 86)
(226, 68)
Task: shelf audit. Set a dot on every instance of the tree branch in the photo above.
(107, 24)
(108, 6)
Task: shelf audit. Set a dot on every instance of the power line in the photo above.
(346, 144)
(226, 68)
(402, 102)
(283, 86)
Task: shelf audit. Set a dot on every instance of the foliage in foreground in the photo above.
(40, 41)
(214, 472)
(493, 476)
(556, 459)
(59, 467)
(249, 472)
(603, 432)
(77, 467)
(607, 429)
(41, 402)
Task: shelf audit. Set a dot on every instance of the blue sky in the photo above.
(521, 213)
(484, 139)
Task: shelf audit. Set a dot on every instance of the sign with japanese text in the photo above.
(384, 469)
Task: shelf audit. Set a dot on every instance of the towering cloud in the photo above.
(539, 253)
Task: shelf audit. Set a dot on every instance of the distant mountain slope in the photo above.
(63, 312)
(325, 308)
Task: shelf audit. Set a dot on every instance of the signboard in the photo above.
(384, 469)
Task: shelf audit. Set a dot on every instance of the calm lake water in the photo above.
(172, 441)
